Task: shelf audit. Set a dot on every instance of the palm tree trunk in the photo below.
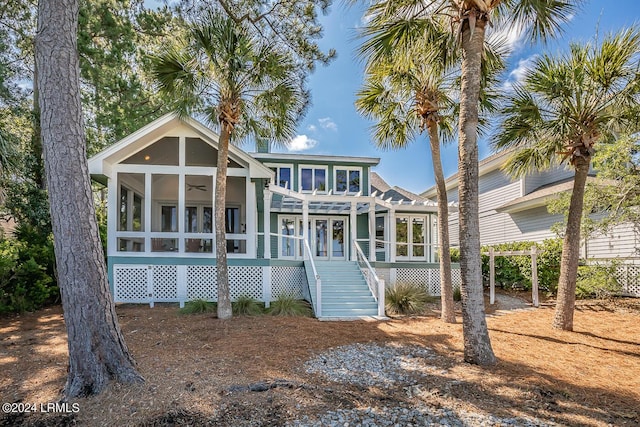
(566, 300)
(447, 313)
(97, 350)
(477, 345)
(224, 295)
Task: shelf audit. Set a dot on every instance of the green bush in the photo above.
(198, 306)
(247, 306)
(597, 281)
(513, 271)
(287, 305)
(454, 254)
(27, 271)
(406, 298)
(457, 293)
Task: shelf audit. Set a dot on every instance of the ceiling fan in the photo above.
(201, 187)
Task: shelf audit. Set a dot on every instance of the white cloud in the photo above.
(301, 143)
(327, 123)
(507, 37)
(517, 74)
(312, 128)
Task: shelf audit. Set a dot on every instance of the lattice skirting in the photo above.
(629, 276)
(290, 281)
(176, 283)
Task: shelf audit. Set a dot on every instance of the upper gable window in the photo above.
(199, 153)
(313, 178)
(348, 179)
(162, 152)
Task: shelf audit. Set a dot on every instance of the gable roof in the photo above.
(167, 125)
(540, 196)
(486, 165)
(396, 193)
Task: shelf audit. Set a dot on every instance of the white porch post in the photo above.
(305, 226)
(392, 235)
(112, 214)
(266, 217)
(372, 230)
(148, 200)
(353, 224)
(251, 223)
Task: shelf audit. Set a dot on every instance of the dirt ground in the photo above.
(249, 370)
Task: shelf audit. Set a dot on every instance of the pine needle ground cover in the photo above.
(250, 370)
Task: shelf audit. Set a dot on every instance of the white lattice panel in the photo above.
(456, 278)
(130, 283)
(288, 281)
(428, 278)
(201, 282)
(629, 277)
(245, 281)
(165, 282)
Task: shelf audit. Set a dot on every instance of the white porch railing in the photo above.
(376, 284)
(317, 301)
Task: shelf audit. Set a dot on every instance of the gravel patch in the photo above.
(369, 365)
(388, 366)
(408, 417)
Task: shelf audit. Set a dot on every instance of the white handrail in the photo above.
(318, 299)
(378, 293)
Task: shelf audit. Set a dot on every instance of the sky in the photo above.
(332, 125)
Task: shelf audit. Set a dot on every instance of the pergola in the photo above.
(289, 201)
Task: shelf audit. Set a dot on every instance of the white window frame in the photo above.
(314, 168)
(348, 169)
(428, 237)
(277, 167)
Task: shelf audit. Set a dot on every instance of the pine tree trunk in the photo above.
(447, 313)
(566, 301)
(97, 351)
(477, 345)
(224, 296)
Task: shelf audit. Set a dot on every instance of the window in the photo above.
(283, 176)
(413, 237)
(313, 178)
(348, 179)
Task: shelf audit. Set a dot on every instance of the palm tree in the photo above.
(242, 84)
(408, 21)
(410, 89)
(406, 93)
(563, 108)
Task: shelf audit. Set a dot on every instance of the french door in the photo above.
(327, 237)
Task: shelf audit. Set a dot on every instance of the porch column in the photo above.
(372, 231)
(392, 235)
(266, 216)
(305, 227)
(353, 225)
(112, 214)
(251, 226)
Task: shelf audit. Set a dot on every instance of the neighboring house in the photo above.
(513, 210)
(161, 248)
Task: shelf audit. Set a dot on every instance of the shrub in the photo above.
(247, 306)
(406, 298)
(287, 305)
(198, 306)
(457, 293)
(597, 281)
(27, 271)
(516, 270)
(454, 254)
